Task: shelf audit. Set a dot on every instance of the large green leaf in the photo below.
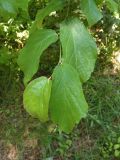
(54, 5)
(36, 98)
(67, 102)
(79, 48)
(29, 57)
(91, 11)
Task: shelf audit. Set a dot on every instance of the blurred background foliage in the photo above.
(98, 136)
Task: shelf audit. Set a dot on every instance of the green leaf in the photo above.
(8, 8)
(112, 5)
(5, 56)
(91, 11)
(52, 6)
(98, 2)
(67, 102)
(29, 57)
(23, 4)
(118, 139)
(36, 98)
(79, 48)
(116, 146)
(117, 153)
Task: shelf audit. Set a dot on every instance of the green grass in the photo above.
(93, 139)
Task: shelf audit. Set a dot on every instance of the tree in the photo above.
(59, 98)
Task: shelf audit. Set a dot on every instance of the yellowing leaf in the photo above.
(36, 98)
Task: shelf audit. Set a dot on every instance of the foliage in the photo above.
(77, 56)
(111, 146)
(86, 141)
